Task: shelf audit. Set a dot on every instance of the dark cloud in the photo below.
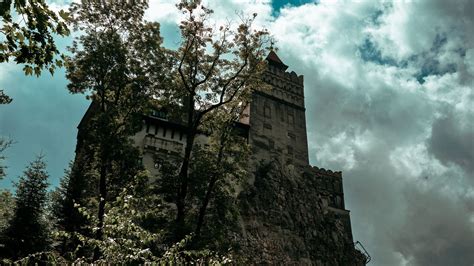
(452, 141)
(437, 230)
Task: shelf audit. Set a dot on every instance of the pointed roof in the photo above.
(273, 59)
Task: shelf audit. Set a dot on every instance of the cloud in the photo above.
(452, 142)
(439, 230)
(225, 11)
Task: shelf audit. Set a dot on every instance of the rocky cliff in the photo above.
(285, 220)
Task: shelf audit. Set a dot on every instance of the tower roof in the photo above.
(273, 59)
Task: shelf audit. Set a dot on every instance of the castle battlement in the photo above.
(325, 172)
(286, 87)
(290, 77)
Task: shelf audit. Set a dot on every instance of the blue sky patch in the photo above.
(369, 52)
(279, 4)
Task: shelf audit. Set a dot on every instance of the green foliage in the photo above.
(27, 231)
(4, 99)
(115, 66)
(79, 188)
(74, 188)
(120, 64)
(216, 64)
(4, 144)
(7, 203)
(119, 56)
(27, 35)
(124, 239)
(128, 237)
(39, 258)
(214, 67)
(178, 255)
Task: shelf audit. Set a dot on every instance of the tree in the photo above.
(74, 189)
(212, 68)
(4, 144)
(116, 61)
(28, 37)
(120, 62)
(27, 231)
(6, 208)
(224, 163)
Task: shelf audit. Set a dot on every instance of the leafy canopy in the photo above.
(27, 31)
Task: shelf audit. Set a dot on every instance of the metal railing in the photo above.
(362, 250)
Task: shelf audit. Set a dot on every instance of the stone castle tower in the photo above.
(277, 117)
(294, 213)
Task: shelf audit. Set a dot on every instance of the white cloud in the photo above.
(7, 69)
(337, 151)
(163, 11)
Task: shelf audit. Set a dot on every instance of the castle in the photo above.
(275, 128)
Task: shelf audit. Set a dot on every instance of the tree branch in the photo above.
(180, 70)
(224, 90)
(216, 58)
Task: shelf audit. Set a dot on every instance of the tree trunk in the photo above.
(210, 189)
(183, 184)
(202, 210)
(183, 173)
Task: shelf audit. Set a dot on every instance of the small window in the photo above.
(180, 135)
(301, 120)
(267, 126)
(159, 114)
(291, 136)
(271, 143)
(339, 202)
(268, 111)
(164, 132)
(147, 128)
(291, 119)
(172, 134)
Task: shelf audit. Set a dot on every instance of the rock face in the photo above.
(286, 221)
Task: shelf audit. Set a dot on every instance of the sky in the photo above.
(389, 101)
